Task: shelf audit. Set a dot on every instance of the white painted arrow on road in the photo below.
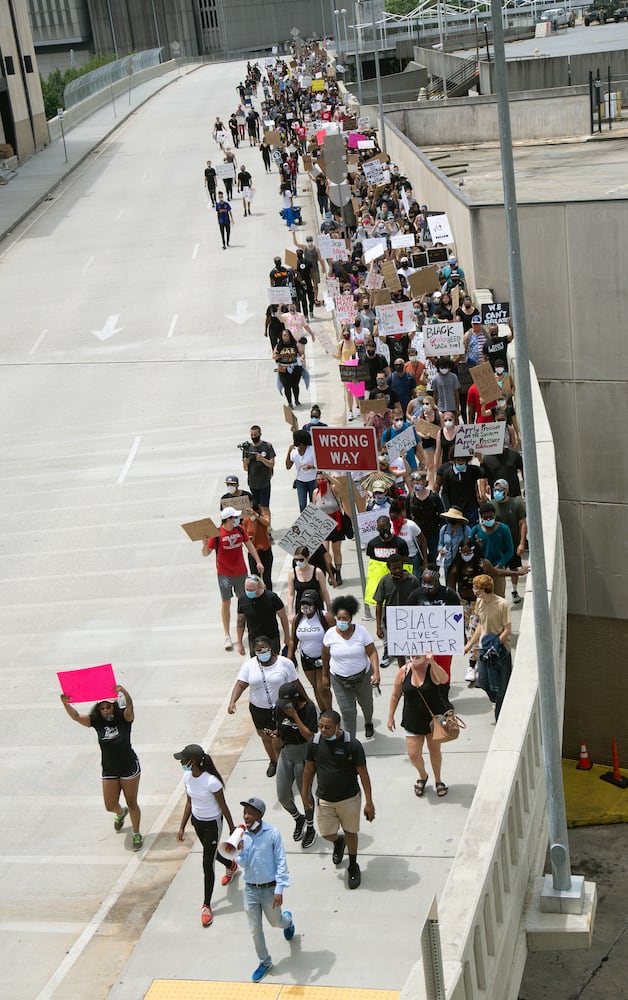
(241, 313)
(109, 328)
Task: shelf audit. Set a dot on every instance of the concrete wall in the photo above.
(554, 71)
(463, 119)
(24, 88)
(396, 87)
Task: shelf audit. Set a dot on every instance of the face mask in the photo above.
(265, 656)
(300, 563)
(444, 371)
(342, 626)
(186, 767)
(499, 494)
(460, 466)
(330, 738)
(255, 826)
(499, 371)
(467, 556)
(429, 587)
(315, 420)
(488, 522)
(398, 424)
(371, 353)
(380, 499)
(255, 438)
(251, 593)
(236, 522)
(449, 423)
(346, 336)
(231, 489)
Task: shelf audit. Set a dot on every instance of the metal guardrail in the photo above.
(459, 81)
(100, 79)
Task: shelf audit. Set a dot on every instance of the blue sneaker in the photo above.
(288, 931)
(261, 970)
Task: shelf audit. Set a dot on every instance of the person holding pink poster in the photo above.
(120, 765)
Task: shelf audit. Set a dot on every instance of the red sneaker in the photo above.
(206, 916)
(230, 874)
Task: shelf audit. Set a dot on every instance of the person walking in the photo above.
(120, 766)
(339, 763)
(259, 611)
(350, 665)
(263, 861)
(205, 806)
(297, 722)
(225, 219)
(245, 185)
(210, 181)
(230, 565)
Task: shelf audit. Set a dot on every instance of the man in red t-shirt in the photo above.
(230, 565)
(478, 411)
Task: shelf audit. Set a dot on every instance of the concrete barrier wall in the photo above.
(554, 71)
(120, 88)
(435, 123)
(396, 87)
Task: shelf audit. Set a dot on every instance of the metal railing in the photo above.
(457, 84)
(100, 79)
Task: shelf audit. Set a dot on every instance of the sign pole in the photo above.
(356, 538)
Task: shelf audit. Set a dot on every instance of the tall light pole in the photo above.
(378, 77)
(338, 38)
(344, 22)
(357, 39)
(113, 34)
(156, 25)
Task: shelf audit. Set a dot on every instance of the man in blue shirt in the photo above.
(225, 219)
(263, 860)
(497, 545)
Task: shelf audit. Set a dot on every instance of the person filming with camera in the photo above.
(258, 461)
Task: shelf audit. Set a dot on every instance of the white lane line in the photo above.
(38, 341)
(127, 465)
(119, 215)
(88, 265)
(195, 251)
(100, 916)
(173, 323)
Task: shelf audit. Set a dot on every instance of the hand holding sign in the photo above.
(89, 683)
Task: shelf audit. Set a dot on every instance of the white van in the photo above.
(559, 17)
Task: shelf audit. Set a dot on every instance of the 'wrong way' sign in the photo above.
(344, 449)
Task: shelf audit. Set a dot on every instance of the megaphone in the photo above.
(230, 848)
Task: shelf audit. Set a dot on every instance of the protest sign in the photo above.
(333, 287)
(424, 281)
(391, 278)
(354, 373)
(380, 297)
(427, 628)
(279, 296)
(373, 406)
(440, 230)
(238, 503)
(224, 170)
(364, 122)
(290, 258)
(339, 250)
(345, 308)
(307, 162)
(495, 312)
(397, 317)
(290, 418)
(487, 439)
(89, 683)
(311, 528)
(317, 86)
(438, 255)
(341, 488)
(455, 299)
(366, 144)
(405, 202)
(443, 339)
(324, 245)
(401, 443)
(426, 429)
(367, 525)
(402, 240)
(198, 530)
(374, 280)
(357, 389)
(487, 385)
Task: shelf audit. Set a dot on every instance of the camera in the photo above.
(245, 448)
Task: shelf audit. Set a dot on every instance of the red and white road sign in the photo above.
(345, 449)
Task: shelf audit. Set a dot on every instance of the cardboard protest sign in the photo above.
(279, 296)
(238, 503)
(391, 278)
(487, 439)
(374, 280)
(341, 489)
(455, 299)
(290, 258)
(307, 162)
(373, 406)
(311, 528)
(495, 312)
(345, 308)
(290, 418)
(484, 378)
(426, 429)
(354, 372)
(440, 230)
(89, 683)
(198, 530)
(443, 339)
(401, 241)
(421, 629)
(401, 443)
(424, 281)
(380, 297)
(273, 137)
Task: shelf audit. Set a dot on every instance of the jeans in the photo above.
(347, 698)
(256, 903)
(305, 492)
(290, 768)
(266, 559)
(225, 232)
(208, 832)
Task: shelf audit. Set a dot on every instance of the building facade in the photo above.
(22, 118)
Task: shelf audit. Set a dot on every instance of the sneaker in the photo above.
(288, 932)
(470, 674)
(308, 837)
(369, 731)
(385, 661)
(138, 841)
(271, 770)
(261, 970)
(350, 417)
(118, 822)
(230, 874)
(339, 850)
(228, 643)
(206, 916)
(299, 823)
(355, 877)
(515, 597)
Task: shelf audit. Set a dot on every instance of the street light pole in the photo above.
(113, 34)
(378, 77)
(358, 40)
(344, 22)
(338, 37)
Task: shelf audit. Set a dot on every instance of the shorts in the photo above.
(263, 718)
(515, 562)
(246, 194)
(230, 585)
(260, 495)
(309, 664)
(331, 816)
(133, 770)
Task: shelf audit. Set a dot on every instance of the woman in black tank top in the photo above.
(303, 576)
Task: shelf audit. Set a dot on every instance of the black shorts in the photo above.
(514, 563)
(131, 769)
(309, 664)
(263, 718)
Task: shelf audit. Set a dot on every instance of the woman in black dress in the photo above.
(120, 766)
(416, 680)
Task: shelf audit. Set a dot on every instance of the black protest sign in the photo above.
(495, 312)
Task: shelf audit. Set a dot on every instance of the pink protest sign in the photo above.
(354, 139)
(356, 389)
(88, 684)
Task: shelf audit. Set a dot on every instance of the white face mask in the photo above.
(399, 424)
(449, 423)
(467, 556)
(499, 371)
(231, 489)
(255, 826)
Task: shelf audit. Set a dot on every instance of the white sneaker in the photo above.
(228, 643)
(471, 674)
(350, 417)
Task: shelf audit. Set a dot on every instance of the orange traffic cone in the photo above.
(584, 764)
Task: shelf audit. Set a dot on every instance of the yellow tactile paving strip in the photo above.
(188, 989)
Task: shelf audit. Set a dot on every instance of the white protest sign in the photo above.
(363, 122)
(443, 339)
(425, 628)
(401, 240)
(339, 250)
(398, 317)
(439, 229)
(306, 82)
(367, 525)
(404, 201)
(345, 308)
(225, 170)
(279, 296)
(377, 250)
(333, 287)
(366, 144)
(324, 245)
(311, 528)
(374, 171)
(488, 439)
(401, 443)
(374, 280)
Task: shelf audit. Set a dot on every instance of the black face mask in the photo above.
(255, 438)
